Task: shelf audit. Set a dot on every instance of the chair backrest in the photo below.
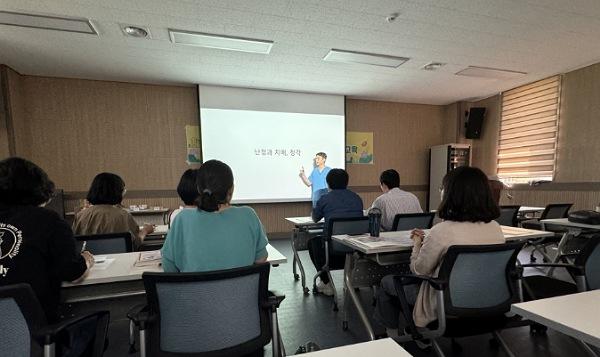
(556, 210)
(408, 221)
(211, 313)
(508, 215)
(480, 279)
(57, 203)
(20, 313)
(349, 225)
(109, 243)
(589, 259)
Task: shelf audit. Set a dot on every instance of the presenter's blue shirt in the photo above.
(204, 241)
(319, 183)
(338, 204)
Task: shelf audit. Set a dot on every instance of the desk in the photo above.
(576, 315)
(385, 347)
(122, 278)
(368, 264)
(574, 229)
(304, 230)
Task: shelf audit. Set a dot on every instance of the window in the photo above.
(528, 132)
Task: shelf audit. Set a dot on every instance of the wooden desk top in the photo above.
(121, 268)
(383, 347)
(576, 315)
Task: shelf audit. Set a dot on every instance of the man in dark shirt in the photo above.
(339, 202)
(36, 245)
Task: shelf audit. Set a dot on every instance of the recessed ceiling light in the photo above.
(135, 31)
(373, 59)
(47, 22)
(221, 42)
(392, 17)
(432, 66)
(486, 72)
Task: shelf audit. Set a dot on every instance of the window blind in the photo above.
(529, 131)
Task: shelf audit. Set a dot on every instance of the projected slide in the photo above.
(266, 149)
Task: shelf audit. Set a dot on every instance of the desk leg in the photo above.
(296, 261)
(349, 289)
(560, 250)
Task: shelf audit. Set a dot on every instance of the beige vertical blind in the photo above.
(529, 131)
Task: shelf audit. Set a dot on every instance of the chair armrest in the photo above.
(575, 269)
(47, 335)
(140, 315)
(274, 299)
(410, 279)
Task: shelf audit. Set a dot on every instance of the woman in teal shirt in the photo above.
(217, 235)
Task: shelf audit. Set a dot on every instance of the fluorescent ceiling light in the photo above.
(343, 56)
(47, 22)
(485, 72)
(220, 41)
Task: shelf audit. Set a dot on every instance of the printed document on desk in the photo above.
(102, 262)
(149, 258)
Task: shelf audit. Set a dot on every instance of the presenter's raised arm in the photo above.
(304, 178)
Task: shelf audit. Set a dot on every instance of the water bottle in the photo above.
(374, 221)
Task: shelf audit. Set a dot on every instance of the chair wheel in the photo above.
(335, 308)
(306, 290)
(345, 325)
(494, 343)
(536, 329)
(545, 260)
(296, 277)
(132, 349)
(315, 291)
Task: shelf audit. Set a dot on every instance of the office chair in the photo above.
(336, 226)
(585, 272)
(409, 221)
(474, 289)
(508, 216)
(24, 330)
(556, 210)
(109, 243)
(218, 313)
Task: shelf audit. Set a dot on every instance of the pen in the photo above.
(83, 246)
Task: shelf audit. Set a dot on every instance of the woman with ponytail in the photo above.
(216, 235)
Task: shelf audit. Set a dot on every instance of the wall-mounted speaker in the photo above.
(474, 122)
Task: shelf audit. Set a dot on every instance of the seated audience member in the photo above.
(339, 202)
(187, 191)
(36, 245)
(394, 200)
(105, 214)
(217, 235)
(468, 211)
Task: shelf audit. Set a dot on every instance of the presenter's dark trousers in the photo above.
(316, 249)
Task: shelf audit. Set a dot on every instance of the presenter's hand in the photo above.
(301, 172)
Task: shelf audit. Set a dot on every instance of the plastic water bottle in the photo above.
(374, 221)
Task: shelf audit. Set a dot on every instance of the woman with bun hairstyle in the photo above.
(217, 235)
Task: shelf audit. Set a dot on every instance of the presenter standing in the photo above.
(316, 180)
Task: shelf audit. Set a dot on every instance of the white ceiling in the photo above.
(540, 37)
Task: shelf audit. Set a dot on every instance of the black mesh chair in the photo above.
(508, 216)
(219, 313)
(475, 287)
(24, 330)
(585, 272)
(337, 226)
(408, 221)
(555, 210)
(109, 243)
